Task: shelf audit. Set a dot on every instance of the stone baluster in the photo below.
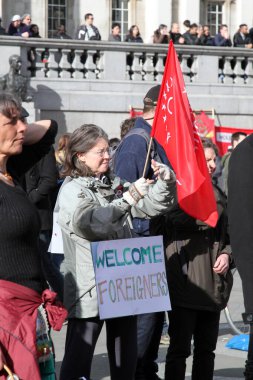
(185, 68)
(100, 66)
(136, 67)
(221, 76)
(52, 64)
(64, 64)
(249, 71)
(89, 65)
(240, 70)
(77, 65)
(40, 66)
(228, 70)
(193, 67)
(238, 73)
(159, 67)
(148, 67)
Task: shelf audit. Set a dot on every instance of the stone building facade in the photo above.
(147, 14)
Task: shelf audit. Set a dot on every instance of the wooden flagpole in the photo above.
(147, 157)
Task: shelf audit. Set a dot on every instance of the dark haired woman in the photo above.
(134, 35)
(26, 305)
(161, 35)
(90, 210)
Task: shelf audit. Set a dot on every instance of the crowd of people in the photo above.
(193, 33)
(79, 177)
(78, 180)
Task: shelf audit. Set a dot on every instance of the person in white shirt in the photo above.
(88, 31)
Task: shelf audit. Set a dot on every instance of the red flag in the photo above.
(175, 130)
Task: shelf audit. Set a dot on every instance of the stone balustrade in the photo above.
(93, 60)
(75, 82)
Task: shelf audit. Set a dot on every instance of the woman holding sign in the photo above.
(93, 208)
(198, 260)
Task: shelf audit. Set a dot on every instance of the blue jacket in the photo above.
(131, 156)
(130, 161)
(221, 41)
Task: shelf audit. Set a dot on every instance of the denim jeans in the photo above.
(149, 330)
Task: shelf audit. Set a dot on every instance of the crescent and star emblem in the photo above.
(168, 105)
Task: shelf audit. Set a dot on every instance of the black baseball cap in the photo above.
(24, 113)
(151, 97)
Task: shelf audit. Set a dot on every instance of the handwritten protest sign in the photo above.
(56, 244)
(130, 276)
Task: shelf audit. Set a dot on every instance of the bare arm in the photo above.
(35, 131)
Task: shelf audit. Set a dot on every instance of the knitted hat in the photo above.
(16, 18)
(151, 97)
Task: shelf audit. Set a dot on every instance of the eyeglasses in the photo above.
(101, 152)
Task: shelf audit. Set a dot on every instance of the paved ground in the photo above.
(229, 363)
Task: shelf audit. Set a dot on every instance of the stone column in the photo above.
(39, 15)
(188, 10)
(157, 12)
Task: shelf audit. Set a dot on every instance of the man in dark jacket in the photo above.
(129, 165)
(193, 36)
(242, 38)
(222, 38)
(88, 31)
(206, 38)
(240, 215)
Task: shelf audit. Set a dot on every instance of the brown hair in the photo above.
(63, 141)
(126, 125)
(9, 105)
(60, 152)
(81, 140)
(207, 143)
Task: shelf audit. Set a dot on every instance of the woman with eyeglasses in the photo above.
(93, 207)
(26, 305)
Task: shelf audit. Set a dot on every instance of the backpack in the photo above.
(140, 132)
(157, 224)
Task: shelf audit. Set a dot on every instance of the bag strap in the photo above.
(139, 132)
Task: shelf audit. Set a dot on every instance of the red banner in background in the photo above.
(135, 112)
(220, 135)
(223, 137)
(205, 125)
